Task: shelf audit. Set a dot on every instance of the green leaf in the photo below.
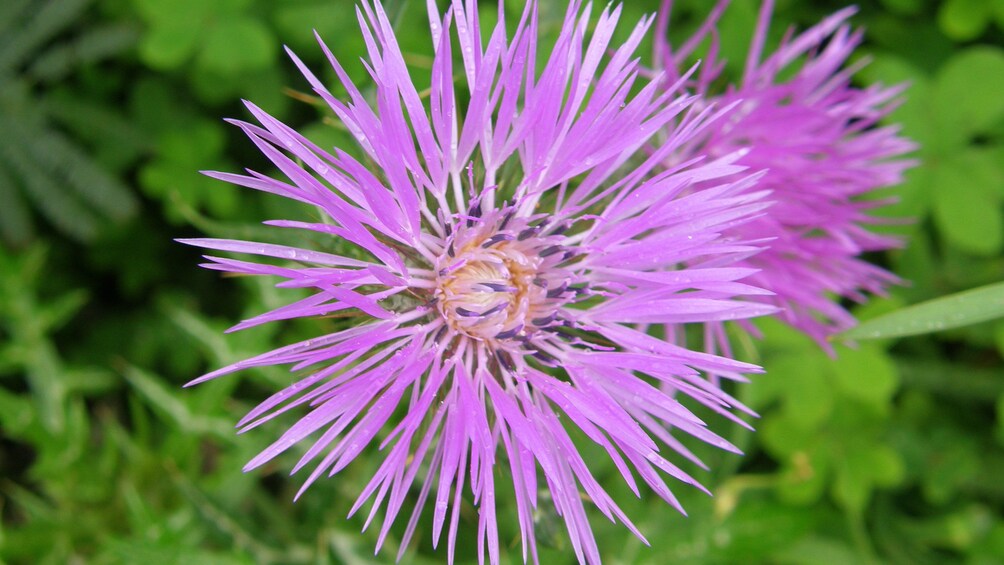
(952, 461)
(10, 12)
(961, 309)
(885, 465)
(997, 6)
(905, 7)
(852, 487)
(45, 22)
(294, 20)
(167, 47)
(758, 529)
(967, 93)
(809, 403)
(238, 44)
(915, 112)
(158, 12)
(71, 167)
(117, 139)
(15, 219)
(171, 405)
(950, 380)
(51, 199)
(783, 438)
(819, 549)
(94, 45)
(866, 374)
(1000, 419)
(912, 204)
(804, 476)
(735, 29)
(194, 144)
(963, 20)
(988, 550)
(56, 313)
(16, 413)
(967, 207)
(918, 264)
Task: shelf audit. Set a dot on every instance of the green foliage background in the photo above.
(890, 453)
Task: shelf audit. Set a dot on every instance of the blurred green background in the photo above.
(108, 108)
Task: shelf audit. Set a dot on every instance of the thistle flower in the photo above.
(507, 250)
(818, 139)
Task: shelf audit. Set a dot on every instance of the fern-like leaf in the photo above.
(15, 218)
(42, 25)
(94, 45)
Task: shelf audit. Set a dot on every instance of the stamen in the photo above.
(508, 216)
(473, 213)
(498, 308)
(558, 291)
(569, 255)
(505, 360)
(527, 233)
(439, 334)
(509, 333)
(497, 287)
(545, 357)
(496, 239)
(560, 229)
(540, 322)
(453, 267)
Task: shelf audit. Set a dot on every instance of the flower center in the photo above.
(501, 278)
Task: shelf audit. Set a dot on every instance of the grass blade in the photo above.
(953, 311)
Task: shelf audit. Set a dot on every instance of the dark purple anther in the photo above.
(498, 308)
(545, 358)
(509, 333)
(439, 334)
(558, 291)
(527, 233)
(495, 239)
(504, 360)
(541, 322)
(473, 212)
(560, 229)
(505, 220)
(498, 287)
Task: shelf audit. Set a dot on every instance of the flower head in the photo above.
(511, 243)
(818, 139)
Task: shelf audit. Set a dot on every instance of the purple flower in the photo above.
(511, 243)
(818, 139)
